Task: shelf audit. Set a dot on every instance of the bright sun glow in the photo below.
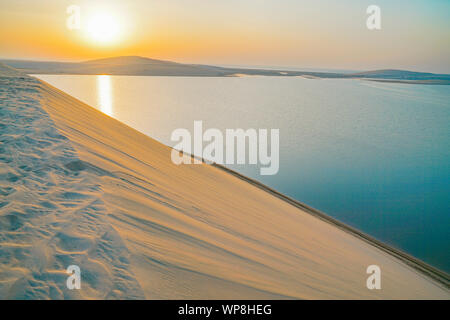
(103, 28)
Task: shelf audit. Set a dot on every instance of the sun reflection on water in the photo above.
(104, 93)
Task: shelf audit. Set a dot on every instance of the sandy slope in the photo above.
(81, 188)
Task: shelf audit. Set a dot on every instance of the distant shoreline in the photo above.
(141, 66)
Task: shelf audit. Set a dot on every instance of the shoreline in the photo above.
(439, 275)
(427, 269)
(243, 75)
(142, 66)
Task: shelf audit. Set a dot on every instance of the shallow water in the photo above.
(374, 155)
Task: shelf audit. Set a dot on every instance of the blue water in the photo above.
(373, 155)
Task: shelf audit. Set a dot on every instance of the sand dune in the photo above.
(129, 65)
(79, 187)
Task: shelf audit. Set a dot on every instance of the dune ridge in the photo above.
(79, 187)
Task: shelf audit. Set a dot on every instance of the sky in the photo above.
(414, 34)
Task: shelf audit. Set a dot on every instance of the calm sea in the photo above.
(373, 155)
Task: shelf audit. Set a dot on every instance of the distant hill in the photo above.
(141, 66)
(130, 60)
(129, 65)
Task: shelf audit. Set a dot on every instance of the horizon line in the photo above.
(225, 65)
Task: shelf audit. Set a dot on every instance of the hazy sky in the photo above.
(414, 34)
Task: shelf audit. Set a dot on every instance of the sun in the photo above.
(103, 28)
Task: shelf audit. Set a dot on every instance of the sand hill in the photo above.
(78, 187)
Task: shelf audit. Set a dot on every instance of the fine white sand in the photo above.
(78, 187)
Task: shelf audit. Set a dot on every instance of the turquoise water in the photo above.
(373, 155)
